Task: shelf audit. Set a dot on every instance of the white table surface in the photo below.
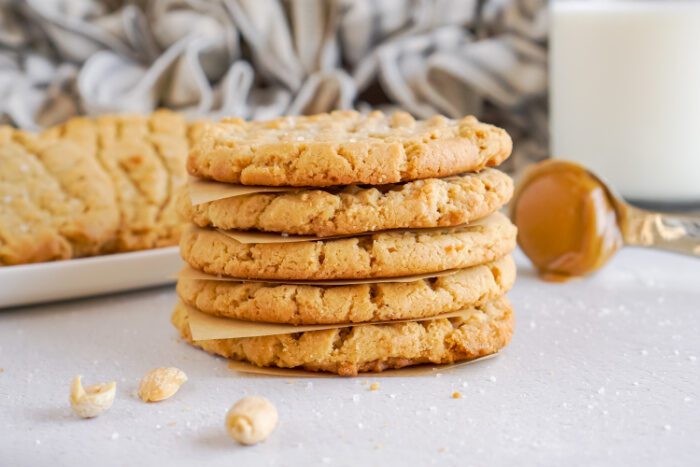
(600, 372)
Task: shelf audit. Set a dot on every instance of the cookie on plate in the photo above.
(55, 203)
(344, 148)
(348, 351)
(144, 156)
(384, 254)
(357, 303)
(350, 210)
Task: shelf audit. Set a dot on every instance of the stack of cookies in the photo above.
(404, 212)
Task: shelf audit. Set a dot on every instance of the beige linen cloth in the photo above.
(262, 58)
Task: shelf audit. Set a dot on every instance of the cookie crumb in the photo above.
(374, 386)
(456, 395)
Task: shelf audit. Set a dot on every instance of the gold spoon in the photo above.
(570, 222)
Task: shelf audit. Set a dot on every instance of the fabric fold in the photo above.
(257, 60)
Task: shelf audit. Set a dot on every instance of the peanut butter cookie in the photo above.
(313, 304)
(385, 254)
(55, 203)
(348, 351)
(418, 204)
(344, 148)
(144, 156)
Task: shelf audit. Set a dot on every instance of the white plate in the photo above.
(60, 280)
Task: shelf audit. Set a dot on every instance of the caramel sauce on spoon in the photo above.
(567, 220)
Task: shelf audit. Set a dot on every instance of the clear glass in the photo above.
(625, 94)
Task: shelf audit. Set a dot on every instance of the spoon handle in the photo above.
(677, 233)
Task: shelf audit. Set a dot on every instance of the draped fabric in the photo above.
(261, 58)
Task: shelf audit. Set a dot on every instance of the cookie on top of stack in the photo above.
(382, 197)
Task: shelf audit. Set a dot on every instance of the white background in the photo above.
(602, 371)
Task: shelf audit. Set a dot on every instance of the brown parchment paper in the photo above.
(204, 326)
(251, 236)
(248, 237)
(189, 273)
(418, 370)
(204, 191)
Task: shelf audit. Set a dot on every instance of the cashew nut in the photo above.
(161, 383)
(93, 400)
(251, 420)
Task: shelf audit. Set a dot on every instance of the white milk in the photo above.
(625, 94)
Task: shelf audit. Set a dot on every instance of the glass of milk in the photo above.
(625, 94)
